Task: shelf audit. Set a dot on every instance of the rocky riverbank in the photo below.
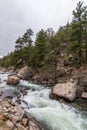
(13, 117)
(68, 91)
(35, 100)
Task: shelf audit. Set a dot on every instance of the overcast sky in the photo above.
(16, 16)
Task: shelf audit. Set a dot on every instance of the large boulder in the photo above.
(25, 73)
(65, 91)
(13, 80)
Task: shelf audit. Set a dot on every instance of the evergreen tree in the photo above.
(85, 31)
(28, 43)
(24, 47)
(77, 31)
(27, 40)
(19, 44)
(40, 49)
(54, 55)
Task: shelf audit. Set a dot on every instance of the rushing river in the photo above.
(54, 115)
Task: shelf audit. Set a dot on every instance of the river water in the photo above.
(55, 115)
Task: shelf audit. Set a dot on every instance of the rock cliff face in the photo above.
(13, 117)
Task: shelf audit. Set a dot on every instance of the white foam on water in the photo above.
(55, 115)
(30, 85)
(3, 76)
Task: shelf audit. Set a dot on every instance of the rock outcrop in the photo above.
(65, 91)
(13, 117)
(13, 80)
(25, 73)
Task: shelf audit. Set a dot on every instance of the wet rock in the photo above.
(25, 73)
(13, 80)
(65, 91)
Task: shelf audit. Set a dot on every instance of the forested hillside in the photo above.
(67, 46)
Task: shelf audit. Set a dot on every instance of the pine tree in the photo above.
(40, 49)
(77, 31)
(85, 31)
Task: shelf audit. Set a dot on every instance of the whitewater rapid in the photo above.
(54, 115)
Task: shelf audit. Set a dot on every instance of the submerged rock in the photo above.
(13, 80)
(65, 91)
